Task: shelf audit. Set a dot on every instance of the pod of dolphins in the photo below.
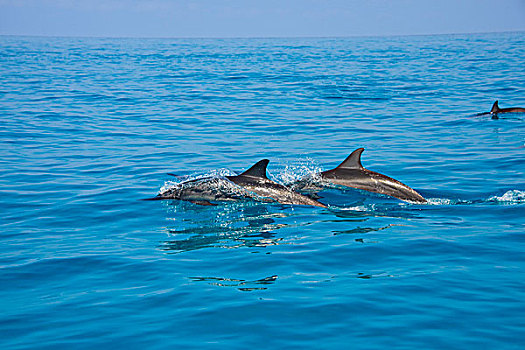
(255, 184)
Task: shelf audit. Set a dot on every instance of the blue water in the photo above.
(89, 127)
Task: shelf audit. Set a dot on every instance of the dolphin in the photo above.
(351, 173)
(253, 184)
(496, 110)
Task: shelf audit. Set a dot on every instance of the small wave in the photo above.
(509, 197)
(441, 201)
(512, 196)
(355, 208)
(241, 284)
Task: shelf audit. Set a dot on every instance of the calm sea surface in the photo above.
(89, 127)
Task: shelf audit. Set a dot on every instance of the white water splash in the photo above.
(308, 170)
(216, 173)
(512, 196)
(440, 201)
(360, 208)
(509, 197)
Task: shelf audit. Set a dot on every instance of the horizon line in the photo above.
(256, 37)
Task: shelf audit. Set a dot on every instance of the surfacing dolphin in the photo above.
(496, 110)
(351, 173)
(253, 184)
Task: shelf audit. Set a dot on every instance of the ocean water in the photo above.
(89, 127)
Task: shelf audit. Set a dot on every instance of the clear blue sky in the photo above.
(257, 18)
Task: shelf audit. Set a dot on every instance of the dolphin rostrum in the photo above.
(351, 173)
(496, 110)
(253, 183)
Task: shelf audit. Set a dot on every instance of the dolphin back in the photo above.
(255, 180)
(353, 161)
(351, 173)
(495, 107)
(258, 169)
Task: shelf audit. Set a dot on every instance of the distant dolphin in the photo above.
(253, 183)
(496, 110)
(351, 173)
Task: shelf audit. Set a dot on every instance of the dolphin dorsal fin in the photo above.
(353, 161)
(258, 169)
(495, 107)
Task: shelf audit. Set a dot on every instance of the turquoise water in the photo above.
(89, 127)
